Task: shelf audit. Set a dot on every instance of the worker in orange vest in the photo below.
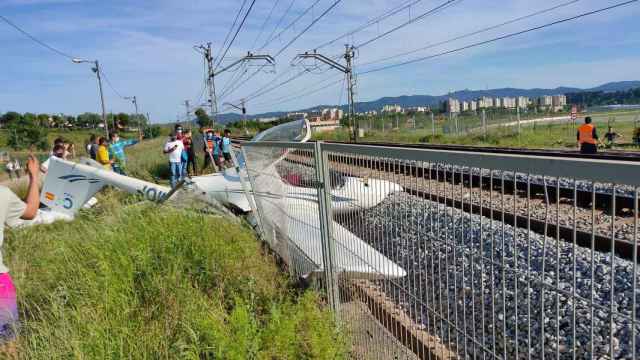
(587, 137)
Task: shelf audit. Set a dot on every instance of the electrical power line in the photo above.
(424, 58)
(36, 40)
(264, 24)
(302, 14)
(284, 15)
(233, 25)
(430, 12)
(236, 34)
(279, 99)
(106, 79)
(272, 37)
(483, 30)
(306, 93)
(371, 22)
(324, 13)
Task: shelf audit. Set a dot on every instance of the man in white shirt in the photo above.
(174, 148)
(10, 169)
(12, 209)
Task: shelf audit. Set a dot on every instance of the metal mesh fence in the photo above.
(446, 254)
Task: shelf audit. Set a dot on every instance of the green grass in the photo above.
(133, 280)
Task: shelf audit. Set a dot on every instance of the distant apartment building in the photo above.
(393, 109)
(464, 106)
(497, 102)
(473, 105)
(558, 102)
(418, 109)
(522, 102)
(485, 102)
(332, 114)
(451, 106)
(297, 116)
(545, 101)
(325, 119)
(508, 102)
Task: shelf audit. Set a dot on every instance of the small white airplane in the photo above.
(69, 186)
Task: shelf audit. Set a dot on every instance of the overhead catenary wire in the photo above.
(277, 26)
(422, 16)
(503, 37)
(264, 24)
(236, 33)
(371, 22)
(469, 34)
(298, 96)
(233, 25)
(300, 16)
(286, 46)
(266, 89)
(36, 40)
(281, 98)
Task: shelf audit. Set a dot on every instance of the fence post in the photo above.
(326, 228)
(249, 193)
(484, 123)
(433, 125)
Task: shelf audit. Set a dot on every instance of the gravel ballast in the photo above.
(457, 263)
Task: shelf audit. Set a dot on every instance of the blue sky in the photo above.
(146, 50)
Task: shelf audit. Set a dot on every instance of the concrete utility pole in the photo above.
(96, 70)
(433, 125)
(484, 123)
(351, 82)
(134, 100)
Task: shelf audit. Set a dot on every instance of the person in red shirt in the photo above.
(187, 140)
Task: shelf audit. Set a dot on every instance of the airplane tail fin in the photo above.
(67, 188)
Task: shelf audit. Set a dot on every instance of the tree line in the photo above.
(83, 121)
(601, 98)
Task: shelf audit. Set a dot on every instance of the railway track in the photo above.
(552, 204)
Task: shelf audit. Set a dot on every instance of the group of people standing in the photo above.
(181, 151)
(14, 169)
(110, 153)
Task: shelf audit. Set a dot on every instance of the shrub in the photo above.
(149, 282)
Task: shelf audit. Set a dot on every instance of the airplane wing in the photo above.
(297, 218)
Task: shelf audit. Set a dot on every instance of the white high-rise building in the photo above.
(509, 103)
(522, 102)
(451, 106)
(558, 102)
(485, 102)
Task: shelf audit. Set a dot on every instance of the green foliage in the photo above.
(600, 98)
(203, 118)
(152, 132)
(24, 134)
(147, 282)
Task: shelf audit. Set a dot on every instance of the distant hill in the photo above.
(422, 100)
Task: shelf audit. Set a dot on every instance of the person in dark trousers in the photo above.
(93, 147)
(191, 154)
(611, 137)
(226, 148)
(587, 137)
(209, 147)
